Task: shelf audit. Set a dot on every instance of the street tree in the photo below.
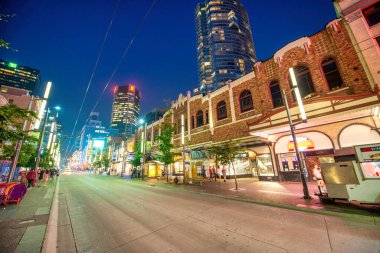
(225, 154)
(165, 146)
(106, 161)
(11, 124)
(137, 159)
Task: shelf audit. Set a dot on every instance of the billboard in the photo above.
(99, 143)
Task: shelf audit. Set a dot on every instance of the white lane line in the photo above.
(283, 193)
(50, 242)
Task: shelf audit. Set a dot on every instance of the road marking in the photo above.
(283, 193)
(50, 242)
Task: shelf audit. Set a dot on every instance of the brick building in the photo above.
(341, 104)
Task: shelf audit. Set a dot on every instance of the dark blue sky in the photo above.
(62, 40)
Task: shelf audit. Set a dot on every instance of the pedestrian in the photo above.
(211, 175)
(40, 174)
(52, 174)
(214, 172)
(203, 171)
(219, 173)
(46, 176)
(24, 180)
(31, 176)
(224, 172)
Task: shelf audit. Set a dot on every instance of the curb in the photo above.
(358, 217)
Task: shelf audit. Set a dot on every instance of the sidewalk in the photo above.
(280, 194)
(23, 226)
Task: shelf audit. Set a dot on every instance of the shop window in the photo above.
(275, 92)
(331, 72)
(200, 121)
(372, 14)
(221, 110)
(304, 81)
(192, 122)
(206, 117)
(246, 102)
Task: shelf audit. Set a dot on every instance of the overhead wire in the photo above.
(134, 36)
(94, 70)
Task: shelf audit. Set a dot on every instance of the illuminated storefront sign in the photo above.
(303, 144)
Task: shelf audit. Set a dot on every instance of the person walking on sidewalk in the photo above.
(219, 173)
(31, 176)
(224, 172)
(211, 175)
(40, 177)
(214, 173)
(46, 176)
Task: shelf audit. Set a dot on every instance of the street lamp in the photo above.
(183, 147)
(292, 127)
(38, 156)
(143, 146)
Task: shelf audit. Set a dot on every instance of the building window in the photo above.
(206, 117)
(246, 102)
(192, 122)
(199, 118)
(305, 84)
(372, 14)
(331, 72)
(221, 110)
(275, 92)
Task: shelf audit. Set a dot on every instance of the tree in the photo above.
(225, 154)
(137, 159)
(105, 161)
(11, 124)
(3, 43)
(164, 147)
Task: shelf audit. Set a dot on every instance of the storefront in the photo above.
(314, 147)
(262, 164)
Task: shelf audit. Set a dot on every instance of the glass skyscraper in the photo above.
(125, 109)
(225, 49)
(22, 77)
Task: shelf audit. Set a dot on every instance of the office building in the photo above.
(225, 49)
(125, 110)
(22, 77)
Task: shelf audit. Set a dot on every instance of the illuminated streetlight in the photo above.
(292, 128)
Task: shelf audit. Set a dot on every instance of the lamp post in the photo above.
(292, 125)
(38, 156)
(143, 146)
(183, 147)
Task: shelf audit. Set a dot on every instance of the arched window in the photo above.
(221, 110)
(245, 100)
(192, 122)
(331, 72)
(199, 118)
(275, 92)
(305, 84)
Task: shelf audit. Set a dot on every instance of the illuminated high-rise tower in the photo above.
(225, 49)
(125, 109)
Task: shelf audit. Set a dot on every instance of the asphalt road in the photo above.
(109, 214)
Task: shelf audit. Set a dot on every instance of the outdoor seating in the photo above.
(14, 192)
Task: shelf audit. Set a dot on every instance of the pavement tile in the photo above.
(32, 239)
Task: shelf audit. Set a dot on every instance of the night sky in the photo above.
(63, 38)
